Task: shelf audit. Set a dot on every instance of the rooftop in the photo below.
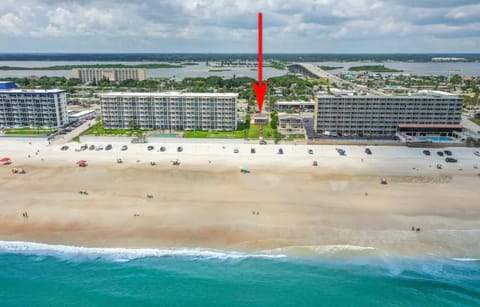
(169, 94)
(419, 94)
(30, 91)
(294, 103)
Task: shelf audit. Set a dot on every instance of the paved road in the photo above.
(61, 139)
(314, 69)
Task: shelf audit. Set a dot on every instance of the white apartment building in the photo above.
(429, 112)
(24, 108)
(170, 111)
(110, 74)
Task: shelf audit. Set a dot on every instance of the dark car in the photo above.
(108, 147)
(235, 150)
(451, 160)
(92, 147)
(447, 152)
(368, 151)
(310, 152)
(162, 149)
(280, 151)
(440, 153)
(150, 148)
(426, 152)
(179, 148)
(252, 150)
(124, 147)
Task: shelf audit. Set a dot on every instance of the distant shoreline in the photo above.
(70, 67)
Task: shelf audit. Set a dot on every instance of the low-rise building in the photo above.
(290, 124)
(110, 74)
(26, 108)
(299, 106)
(86, 114)
(170, 111)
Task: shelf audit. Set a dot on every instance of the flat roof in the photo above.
(169, 94)
(294, 103)
(454, 126)
(415, 96)
(25, 91)
(81, 113)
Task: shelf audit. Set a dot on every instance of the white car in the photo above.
(477, 153)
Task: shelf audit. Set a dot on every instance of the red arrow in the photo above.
(260, 87)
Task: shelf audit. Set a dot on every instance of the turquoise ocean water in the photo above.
(43, 275)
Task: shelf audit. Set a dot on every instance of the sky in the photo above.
(230, 26)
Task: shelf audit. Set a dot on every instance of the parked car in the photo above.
(280, 151)
(92, 147)
(426, 152)
(310, 152)
(150, 148)
(477, 153)
(252, 150)
(451, 160)
(440, 153)
(162, 149)
(368, 151)
(64, 148)
(124, 147)
(179, 148)
(235, 150)
(108, 147)
(99, 148)
(447, 152)
(263, 142)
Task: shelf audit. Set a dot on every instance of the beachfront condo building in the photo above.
(170, 111)
(110, 74)
(27, 108)
(425, 113)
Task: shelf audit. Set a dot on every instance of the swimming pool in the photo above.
(163, 135)
(435, 139)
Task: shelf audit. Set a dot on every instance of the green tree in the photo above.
(133, 125)
(274, 120)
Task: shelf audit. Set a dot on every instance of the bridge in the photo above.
(313, 71)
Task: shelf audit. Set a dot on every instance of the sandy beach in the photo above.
(285, 205)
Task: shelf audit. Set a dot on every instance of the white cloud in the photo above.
(230, 26)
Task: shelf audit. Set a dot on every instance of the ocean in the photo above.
(50, 275)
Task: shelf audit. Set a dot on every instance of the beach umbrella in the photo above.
(81, 161)
(5, 159)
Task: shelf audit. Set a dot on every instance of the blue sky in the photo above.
(314, 26)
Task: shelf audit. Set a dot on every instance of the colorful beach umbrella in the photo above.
(5, 159)
(81, 161)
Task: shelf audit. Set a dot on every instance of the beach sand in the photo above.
(285, 205)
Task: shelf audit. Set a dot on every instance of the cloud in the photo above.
(230, 26)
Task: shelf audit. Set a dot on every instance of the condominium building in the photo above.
(110, 74)
(170, 111)
(425, 113)
(23, 108)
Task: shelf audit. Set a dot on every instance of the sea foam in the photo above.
(119, 254)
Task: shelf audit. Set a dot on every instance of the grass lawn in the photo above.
(215, 134)
(475, 120)
(28, 131)
(98, 129)
(268, 132)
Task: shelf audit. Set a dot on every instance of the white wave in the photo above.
(320, 250)
(466, 259)
(119, 254)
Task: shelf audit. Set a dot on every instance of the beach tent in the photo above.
(82, 163)
(6, 160)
